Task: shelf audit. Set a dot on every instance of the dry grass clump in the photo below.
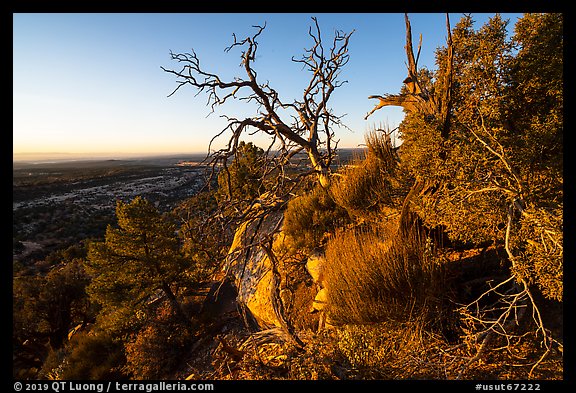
(371, 186)
(390, 350)
(371, 278)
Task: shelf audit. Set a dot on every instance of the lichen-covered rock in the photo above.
(251, 268)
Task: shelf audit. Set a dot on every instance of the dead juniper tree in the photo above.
(417, 97)
(459, 144)
(303, 125)
(299, 128)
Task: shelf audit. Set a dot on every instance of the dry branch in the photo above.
(416, 98)
(311, 119)
(508, 310)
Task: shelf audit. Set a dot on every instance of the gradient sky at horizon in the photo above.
(91, 83)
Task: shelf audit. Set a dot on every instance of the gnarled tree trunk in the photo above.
(417, 98)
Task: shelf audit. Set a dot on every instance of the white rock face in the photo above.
(315, 266)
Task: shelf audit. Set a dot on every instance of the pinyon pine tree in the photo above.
(138, 262)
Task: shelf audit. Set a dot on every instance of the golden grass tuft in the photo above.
(371, 186)
(372, 278)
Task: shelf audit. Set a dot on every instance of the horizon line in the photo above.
(23, 156)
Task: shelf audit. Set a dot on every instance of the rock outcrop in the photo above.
(251, 269)
(315, 266)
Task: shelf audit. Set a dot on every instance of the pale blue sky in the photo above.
(92, 83)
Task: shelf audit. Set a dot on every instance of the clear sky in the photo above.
(91, 83)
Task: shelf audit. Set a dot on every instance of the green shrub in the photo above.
(311, 217)
(157, 348)
(206, 235)
(365, 346)
(541, 259)
(241, 181)
(94, 356)
(379, 350)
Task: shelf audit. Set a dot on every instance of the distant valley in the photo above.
(56, 204)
